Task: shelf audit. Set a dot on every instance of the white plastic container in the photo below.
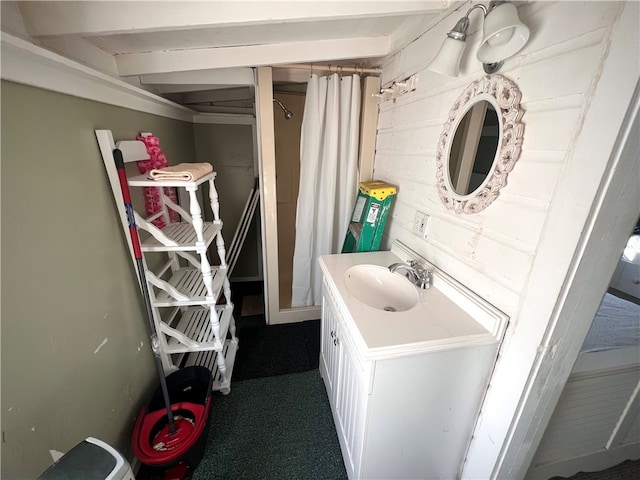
(91, 459)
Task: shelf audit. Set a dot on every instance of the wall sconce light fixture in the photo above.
(504, 35)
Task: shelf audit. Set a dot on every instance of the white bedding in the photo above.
(616, 325)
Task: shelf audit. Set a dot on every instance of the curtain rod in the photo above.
(330, 68)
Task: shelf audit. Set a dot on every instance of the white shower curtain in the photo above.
(328, 178)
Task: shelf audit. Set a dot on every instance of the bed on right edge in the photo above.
(596, 423)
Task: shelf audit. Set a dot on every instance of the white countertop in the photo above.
(435, 323)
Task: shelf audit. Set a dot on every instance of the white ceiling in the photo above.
(200, 53)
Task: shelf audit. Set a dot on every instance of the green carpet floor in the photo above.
(276, 428)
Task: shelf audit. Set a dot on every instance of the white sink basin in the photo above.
(379, 288)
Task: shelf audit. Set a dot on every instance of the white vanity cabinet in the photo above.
(402, 409)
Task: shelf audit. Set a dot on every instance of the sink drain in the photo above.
(389, 308)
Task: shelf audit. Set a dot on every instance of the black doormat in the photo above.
(268, 350)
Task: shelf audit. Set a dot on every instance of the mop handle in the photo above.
(137, 252)
(126, 197)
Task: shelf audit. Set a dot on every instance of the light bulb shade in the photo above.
(447, 60)
(504, 34)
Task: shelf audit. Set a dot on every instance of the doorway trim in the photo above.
(269, 206)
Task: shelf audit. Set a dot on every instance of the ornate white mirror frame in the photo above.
(505, 96)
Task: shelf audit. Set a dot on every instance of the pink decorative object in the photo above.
(152, 194)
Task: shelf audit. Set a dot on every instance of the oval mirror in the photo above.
(479, 144)
(473, 148)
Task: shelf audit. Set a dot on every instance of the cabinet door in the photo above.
(351, 403)
(328, 349)
(347, 380)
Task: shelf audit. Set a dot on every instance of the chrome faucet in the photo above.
(416, 273)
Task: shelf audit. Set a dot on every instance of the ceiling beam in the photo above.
(230, 95)
(218, 109)
(111, 17)
(252, 55)
(181, 88)
(225, 119)
(217, 76)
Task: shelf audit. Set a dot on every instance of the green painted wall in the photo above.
(75, 353)
(230, 149)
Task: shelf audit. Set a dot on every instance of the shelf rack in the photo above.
(190, 298)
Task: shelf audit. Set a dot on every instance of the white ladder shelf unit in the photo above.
(194, 325)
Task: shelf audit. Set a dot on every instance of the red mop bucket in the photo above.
(153, 442)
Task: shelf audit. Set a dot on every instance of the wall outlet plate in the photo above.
(420, 224)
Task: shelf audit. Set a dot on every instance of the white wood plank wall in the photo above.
(493, 250)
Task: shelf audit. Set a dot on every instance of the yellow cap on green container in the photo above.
(377, 189)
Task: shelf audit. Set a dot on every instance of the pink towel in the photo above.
(152, 194)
